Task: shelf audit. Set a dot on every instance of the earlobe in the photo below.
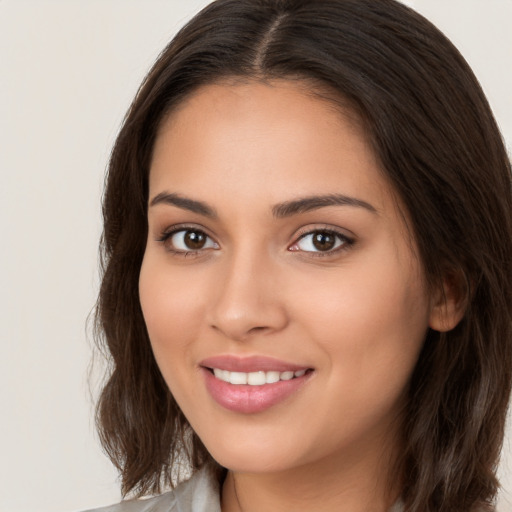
(449, 303)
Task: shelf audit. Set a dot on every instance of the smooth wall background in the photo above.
(69, 70)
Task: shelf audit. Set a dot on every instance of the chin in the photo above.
(252, 456)
(241, 463)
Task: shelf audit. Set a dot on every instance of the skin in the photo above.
(357, 314)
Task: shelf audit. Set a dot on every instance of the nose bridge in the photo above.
(247, 300)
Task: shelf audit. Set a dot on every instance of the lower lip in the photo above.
(247, 399)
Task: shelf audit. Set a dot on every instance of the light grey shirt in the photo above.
(199, 494)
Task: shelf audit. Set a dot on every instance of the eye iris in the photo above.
(195, 239)
(323, 241)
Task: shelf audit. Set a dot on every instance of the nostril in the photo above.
(257, 329)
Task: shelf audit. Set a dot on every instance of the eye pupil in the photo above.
(323, 241)
(195, 239)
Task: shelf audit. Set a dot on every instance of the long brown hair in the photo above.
(437, 141)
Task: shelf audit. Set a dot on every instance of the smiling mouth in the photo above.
(252, 385)
(257, 378)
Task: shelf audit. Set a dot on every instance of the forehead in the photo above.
(268, 133)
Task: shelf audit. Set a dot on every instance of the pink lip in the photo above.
(246, 399)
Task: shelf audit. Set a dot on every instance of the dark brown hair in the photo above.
(434, 134)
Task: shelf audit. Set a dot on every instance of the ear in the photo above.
(449, 303)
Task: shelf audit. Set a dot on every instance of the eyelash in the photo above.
(345, 242)
(166, 236)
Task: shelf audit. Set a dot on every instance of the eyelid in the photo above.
(312, 228)
(167, 233)
(180, 226)
(347, 240)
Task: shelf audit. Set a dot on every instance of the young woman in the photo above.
(307, 287)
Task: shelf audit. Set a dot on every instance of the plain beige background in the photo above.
(69, 69)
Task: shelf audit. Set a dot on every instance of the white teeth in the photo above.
(272, 377)
(238, 378)
(255, 378)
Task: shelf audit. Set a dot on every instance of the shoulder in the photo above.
(198, 494)
(165, 503)
(397, 507)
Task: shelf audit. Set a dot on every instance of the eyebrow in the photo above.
(307, 204)
(185, 203)
(280, 210)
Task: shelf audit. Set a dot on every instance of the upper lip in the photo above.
(250, 364)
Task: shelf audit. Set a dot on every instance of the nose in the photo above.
(248, 300)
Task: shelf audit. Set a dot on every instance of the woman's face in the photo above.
(284, 302)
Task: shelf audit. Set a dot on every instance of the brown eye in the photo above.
(194, 240)
(323, 241)
(188, 240)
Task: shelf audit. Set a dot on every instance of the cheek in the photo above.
(354, 301)
(171, 304)
(370, 327)
(370, 321)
